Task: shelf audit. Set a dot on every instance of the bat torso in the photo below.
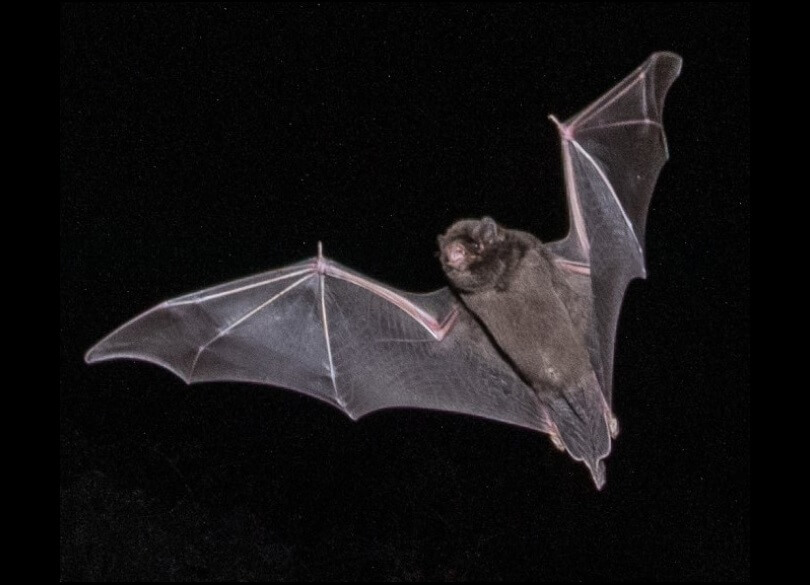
(536, 316)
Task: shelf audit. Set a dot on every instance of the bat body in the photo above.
(523, 335)
(538, 313)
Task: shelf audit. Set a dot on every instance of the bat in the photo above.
(523, 334)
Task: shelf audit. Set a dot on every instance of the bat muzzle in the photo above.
(456, 256)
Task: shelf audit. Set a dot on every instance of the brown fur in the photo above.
(510, 281)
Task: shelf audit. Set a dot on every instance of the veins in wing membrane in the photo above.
(610, 188)
(308, 274)
(328, 341)
(197, 297)
(637, 122)
(597, 107)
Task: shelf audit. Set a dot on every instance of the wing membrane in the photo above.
(613, 151)
(324, 330)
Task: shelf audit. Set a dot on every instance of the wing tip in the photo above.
(665, 63)
(89, 357)
(674, 58)
(95, 354)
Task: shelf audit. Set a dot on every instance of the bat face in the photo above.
(472, 254)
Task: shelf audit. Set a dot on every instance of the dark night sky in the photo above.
(201, 143)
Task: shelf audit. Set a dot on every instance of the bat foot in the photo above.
(557, 442)
(613, 425)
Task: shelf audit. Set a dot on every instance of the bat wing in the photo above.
(612, 153)
(331, 333)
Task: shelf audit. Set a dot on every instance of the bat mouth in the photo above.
(453, 272)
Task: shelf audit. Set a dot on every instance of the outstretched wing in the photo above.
(612, 153)
(326, 331)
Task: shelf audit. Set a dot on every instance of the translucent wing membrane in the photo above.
(326, 331)
(612, 153)
(265, 328)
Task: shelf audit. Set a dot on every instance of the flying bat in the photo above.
(523, 334)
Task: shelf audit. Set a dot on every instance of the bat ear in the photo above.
(489, 232)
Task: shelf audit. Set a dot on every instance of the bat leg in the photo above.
(613, 425)
(554, 435)
(597, 468)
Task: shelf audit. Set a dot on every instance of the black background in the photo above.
(200, 143)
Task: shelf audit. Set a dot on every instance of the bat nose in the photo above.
(455, 254)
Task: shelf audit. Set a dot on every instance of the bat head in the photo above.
(472, 253)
